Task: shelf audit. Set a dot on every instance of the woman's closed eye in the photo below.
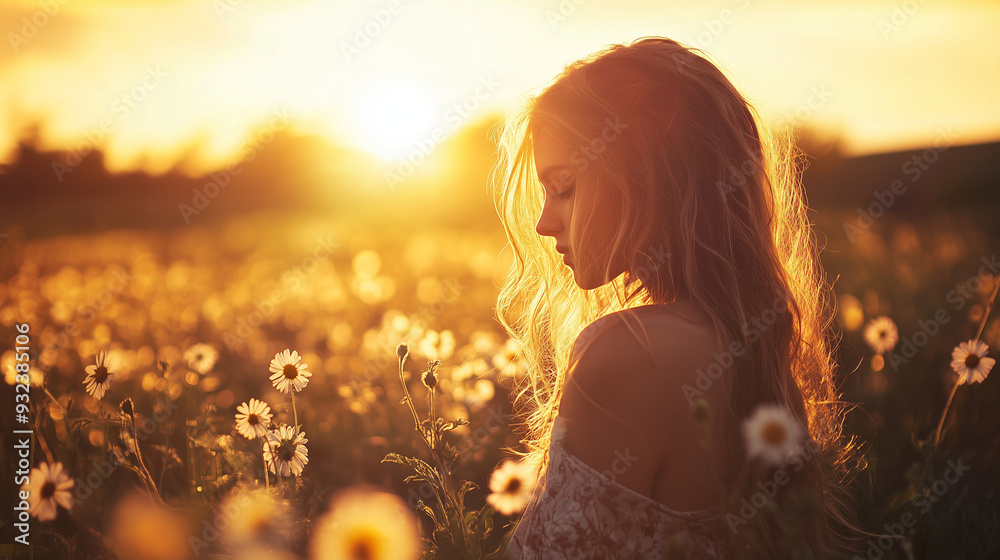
(563, 194)
(567, 189)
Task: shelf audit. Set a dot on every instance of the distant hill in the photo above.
(449, 186)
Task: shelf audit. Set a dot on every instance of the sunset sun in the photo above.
(393, 115)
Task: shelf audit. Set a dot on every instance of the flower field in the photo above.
(283, 387)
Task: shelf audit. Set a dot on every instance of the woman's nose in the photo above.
(549, 223)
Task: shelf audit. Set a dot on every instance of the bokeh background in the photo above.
(313, 175)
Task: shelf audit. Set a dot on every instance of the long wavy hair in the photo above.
(709, 207)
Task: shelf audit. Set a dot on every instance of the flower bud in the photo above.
(127, 408)
(429, 378)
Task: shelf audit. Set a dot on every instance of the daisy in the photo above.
(366, 524)
(48, 487)
(141, 529)
(260, 518)
(201, 358)
(511, 486)
(285, 451)
(969, 361)
(98, 377)
(252, 419)
(881, 334)
(772, 433)
(288, 373)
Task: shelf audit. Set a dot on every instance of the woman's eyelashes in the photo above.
(567, 189)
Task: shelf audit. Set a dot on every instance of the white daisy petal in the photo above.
(970, 362)
(48, 487)
(773, 435)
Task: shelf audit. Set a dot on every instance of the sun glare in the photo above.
(393, 115)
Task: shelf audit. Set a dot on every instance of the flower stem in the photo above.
(944, 414)
(267, 479)
(409, 403)
(295, 413)
(57, 403)
(138, 455)
(979, 332)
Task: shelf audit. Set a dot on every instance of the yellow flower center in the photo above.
(100, 374)
(774, 434)
(48, 490)
(290, 371)
(253, 420)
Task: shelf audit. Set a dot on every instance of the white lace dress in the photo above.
(579, 513)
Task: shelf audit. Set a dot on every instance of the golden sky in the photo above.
(155, 83)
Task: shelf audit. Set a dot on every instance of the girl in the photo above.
(696, 415)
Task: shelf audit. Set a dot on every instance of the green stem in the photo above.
(295, 413)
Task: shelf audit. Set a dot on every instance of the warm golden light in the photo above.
(393, 116)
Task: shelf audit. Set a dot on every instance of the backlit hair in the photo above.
(709, 207)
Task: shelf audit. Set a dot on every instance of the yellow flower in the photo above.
(98, 377)
(511, 486)
(288, 373)
(969, 361)
(366, 525)
(252, 419)
(773, 434)
(142, 530)
(48, 487)
(881, 334)
(285, 451)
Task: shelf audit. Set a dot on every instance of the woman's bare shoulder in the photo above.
(678, 325)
